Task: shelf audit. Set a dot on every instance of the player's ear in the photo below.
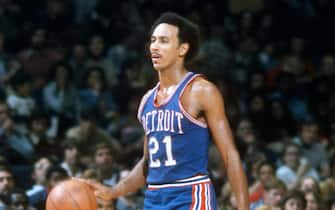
(183, 49)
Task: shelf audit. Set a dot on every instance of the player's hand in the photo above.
(101, 191)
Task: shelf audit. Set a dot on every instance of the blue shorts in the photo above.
(193, 195)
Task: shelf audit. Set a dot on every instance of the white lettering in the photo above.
(172, 117)
(179, 117)
(160, 120)
(146, 122)
(154, 112)
(167, 120)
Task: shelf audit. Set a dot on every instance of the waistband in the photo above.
(199, 179)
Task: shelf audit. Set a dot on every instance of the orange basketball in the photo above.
(71, 195)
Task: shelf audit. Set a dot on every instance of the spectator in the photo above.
(311, 147)
(265, 172)
(97, 58)
(77, 61)
(309, 184)
(105, 164)
(71, 158)
(252, 162)
(314, 201)
(294, 200)
(37, 193)
(250, 140)
(38, 134)
(7, 184)
(294, 167)
(246, 134)
(55, 175)
(20, 101)
(281, 123)
(88, 135)
(289, 82)
(19, 201)
(15, 146)
(274, 191)
(327, 186)
(96, 94)
(60, 97)
(258, 114)
(36, 59)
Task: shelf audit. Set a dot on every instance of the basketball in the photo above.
(71, 195)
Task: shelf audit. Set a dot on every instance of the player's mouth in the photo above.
(155, 57)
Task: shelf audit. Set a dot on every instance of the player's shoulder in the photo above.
(143, 101)
(201, 85)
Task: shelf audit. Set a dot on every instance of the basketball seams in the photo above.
(53, 204)
(69, 195)
(89, 197)
(72, 198)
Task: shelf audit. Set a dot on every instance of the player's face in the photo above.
(164, 46)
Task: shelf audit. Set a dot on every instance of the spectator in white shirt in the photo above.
(294, 167)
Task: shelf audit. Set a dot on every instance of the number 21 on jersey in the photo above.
(154, 148)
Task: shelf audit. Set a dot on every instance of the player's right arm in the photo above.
(134, 181)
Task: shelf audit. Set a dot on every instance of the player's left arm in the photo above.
(212, 105)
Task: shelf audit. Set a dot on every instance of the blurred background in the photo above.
(72, 73)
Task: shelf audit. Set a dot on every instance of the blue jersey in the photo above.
(177, 143)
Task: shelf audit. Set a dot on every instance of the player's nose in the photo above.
(154, 46)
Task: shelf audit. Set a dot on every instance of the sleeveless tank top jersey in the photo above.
(177, 143)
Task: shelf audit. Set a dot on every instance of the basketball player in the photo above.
(180, 116)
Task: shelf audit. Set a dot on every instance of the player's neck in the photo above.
(171, 77)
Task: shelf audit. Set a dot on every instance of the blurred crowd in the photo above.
(72, 73)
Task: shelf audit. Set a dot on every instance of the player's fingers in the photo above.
(103, 195)
(99, 189)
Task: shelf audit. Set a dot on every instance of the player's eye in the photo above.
(153, 39)
(164, 40)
